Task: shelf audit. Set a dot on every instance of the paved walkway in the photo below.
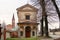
(55, 36)
(47, 39)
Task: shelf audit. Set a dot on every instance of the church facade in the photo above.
(27, 21)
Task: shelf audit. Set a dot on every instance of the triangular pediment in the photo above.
(27, 7)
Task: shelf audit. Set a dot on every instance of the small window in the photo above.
(21, 33)
(33, 33)
(28, 17)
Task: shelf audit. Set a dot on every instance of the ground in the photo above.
(33, 38)
(56, 37)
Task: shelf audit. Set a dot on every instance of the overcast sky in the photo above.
(8, 7)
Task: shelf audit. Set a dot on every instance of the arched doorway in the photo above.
(27, 31)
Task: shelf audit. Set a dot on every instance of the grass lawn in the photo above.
(22, 38)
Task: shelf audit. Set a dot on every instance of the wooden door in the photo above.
(27, 32)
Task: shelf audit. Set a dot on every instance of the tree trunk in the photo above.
(4, 34)
(42, 2)
(46, 27)
(57, 9)
(0, 31)
(42, 32)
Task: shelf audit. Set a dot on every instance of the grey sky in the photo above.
(8, 7)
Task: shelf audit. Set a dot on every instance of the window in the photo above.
(21, 33)
(28, 17)
(33, 33)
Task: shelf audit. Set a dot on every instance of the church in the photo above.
(27, 21)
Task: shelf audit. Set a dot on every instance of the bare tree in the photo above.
(57, 9)
(44, 15)
(50, 12)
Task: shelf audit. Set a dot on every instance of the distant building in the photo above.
(13, 21)
(9, 28)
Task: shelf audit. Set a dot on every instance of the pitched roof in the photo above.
(27, 5)
(9, 26)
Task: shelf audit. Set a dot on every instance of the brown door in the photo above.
(27, 31)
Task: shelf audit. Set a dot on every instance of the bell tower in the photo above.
(13, 21)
